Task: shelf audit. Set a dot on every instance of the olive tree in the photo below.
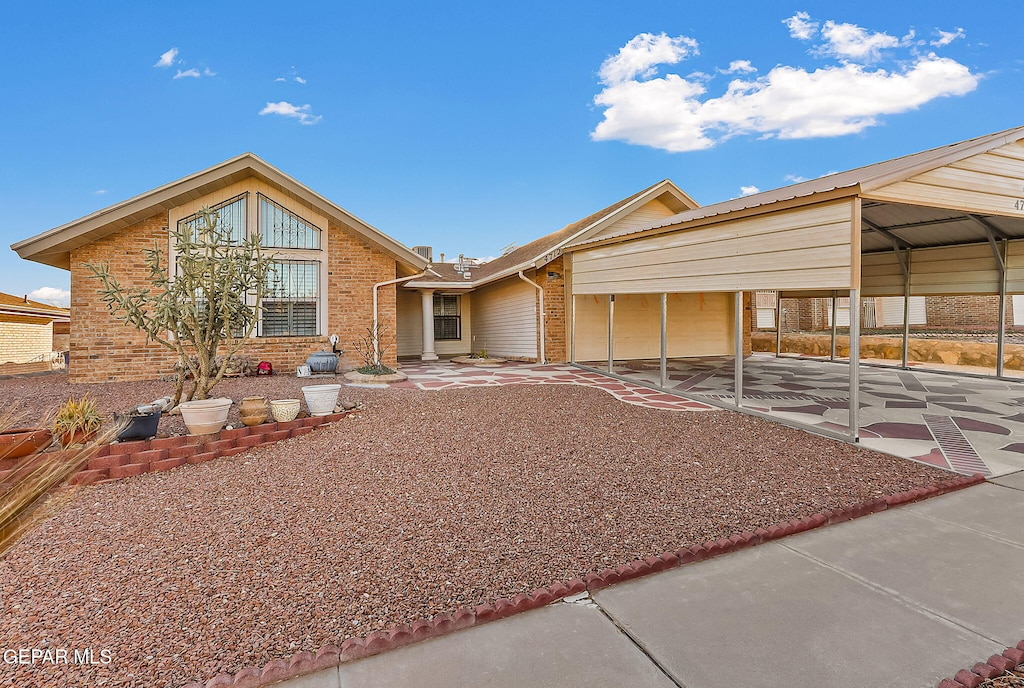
(210, 299)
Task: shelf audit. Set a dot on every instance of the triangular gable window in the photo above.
(280, 228)
(230, 219)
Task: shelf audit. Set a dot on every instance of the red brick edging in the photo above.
(127, 459)
(994, 667)
(442, 624)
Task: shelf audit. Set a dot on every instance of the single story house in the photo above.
(654, 276)
(31, 331)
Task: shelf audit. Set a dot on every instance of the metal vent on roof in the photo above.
(425, 252)
(508, 249)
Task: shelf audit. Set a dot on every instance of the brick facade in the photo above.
(23, 338)
(551, 278)
(105, 349)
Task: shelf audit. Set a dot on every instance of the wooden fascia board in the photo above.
(789, 204)
(616, 215)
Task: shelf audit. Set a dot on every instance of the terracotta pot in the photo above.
(254, 410)
(78, 436)
(284, 410)
(20, 442)
(206, 416)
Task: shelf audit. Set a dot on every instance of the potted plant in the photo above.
(18, 442)
(140, 423)
(77, 422)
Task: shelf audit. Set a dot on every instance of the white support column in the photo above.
(427, 296)
(905, 356)
(855, 365)
(1001, 339)
(835, 317)
(611, 332)
(572, 329)
(738, 344)
(778, 324)
(664, 340)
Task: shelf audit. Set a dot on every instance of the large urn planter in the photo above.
(321, 399)
(254, 410)
(20, 442)
(206, 416)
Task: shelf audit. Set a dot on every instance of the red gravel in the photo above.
(424, 502)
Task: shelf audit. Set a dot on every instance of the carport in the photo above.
(948, 221)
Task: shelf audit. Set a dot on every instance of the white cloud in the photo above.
(51, 295)
(300, 79)
(100, 192)
(641, 56)
(801, 27)
(280, 78)
(749, 190)
(947, 37)
(852, 42)
(739, 67)
(209, 72)
(286, 109)
(167, 59)
(677, 113)
(794, 178)
(192, 73)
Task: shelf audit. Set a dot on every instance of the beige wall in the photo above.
(987, 183)
(644, 216)
(24, 341)
(410, 326)
(505, 319)
(802, 248)
(699, 324)
(946, 270)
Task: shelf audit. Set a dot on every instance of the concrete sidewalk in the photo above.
(902, 598)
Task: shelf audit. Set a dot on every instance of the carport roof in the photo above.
(901, 220)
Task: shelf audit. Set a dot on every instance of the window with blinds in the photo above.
(230, 219)
(280, 228)
(447, 322)
(292, 299)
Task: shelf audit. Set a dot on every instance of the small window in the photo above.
(280, 228)
(447, 322)
(230, 219)
(292, 299)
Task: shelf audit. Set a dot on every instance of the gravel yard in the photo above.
(423, 502)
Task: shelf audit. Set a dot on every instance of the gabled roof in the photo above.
(54, 246)
(23, 306)
(543, 250)
(853, 182)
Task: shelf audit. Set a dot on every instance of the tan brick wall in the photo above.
(556, 342)
(23, 341)
(353, 267)
(104, 349)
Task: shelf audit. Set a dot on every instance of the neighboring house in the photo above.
(29, 330)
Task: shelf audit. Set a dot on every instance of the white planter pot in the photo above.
(321, 399)
(284, 410)
(205, 417)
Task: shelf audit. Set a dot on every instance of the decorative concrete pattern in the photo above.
(447, 375)
(974, 425)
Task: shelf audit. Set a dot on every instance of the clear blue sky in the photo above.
(469, 126)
